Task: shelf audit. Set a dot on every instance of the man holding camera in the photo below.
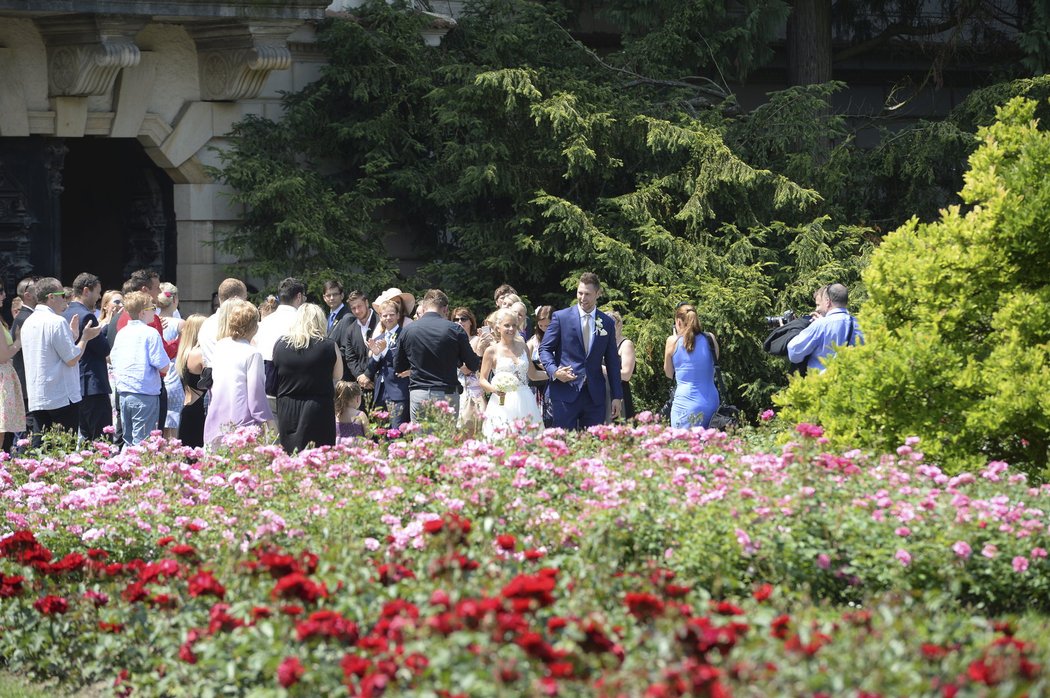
(832, 326)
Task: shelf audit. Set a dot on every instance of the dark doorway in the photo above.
(117, 212)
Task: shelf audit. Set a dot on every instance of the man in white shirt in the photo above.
(51, 355)
(291, 293)
(352, 334)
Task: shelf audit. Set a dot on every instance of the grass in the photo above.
(12, 686)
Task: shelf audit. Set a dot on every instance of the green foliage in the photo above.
(957, 321)
(512, 152)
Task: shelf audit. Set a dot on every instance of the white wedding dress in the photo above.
(518, 404)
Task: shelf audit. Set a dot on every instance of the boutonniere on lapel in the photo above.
(391, 339)
(599, 328)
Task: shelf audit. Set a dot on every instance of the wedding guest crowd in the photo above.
(92, 362)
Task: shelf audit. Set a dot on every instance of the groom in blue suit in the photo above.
(576, 344)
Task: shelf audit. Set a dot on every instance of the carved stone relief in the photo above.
(236, 57)
(85, 53)
(16, 225)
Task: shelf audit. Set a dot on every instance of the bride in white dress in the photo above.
(505, 372)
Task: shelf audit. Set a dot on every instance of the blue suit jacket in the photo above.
(388, 386)
(562, 345)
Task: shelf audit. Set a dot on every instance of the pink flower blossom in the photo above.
(1020, 564)
(990, 550)
(823, 561)
(962, 549)
(1038, 553)
(903, 531)
(813, 431)
(767, 415)
(903, 556)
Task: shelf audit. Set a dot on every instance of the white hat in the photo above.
(408, 301)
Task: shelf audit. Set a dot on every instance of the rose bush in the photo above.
(631, 560)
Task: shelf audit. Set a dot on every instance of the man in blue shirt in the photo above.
(834, 327)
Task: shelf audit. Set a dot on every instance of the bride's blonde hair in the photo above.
(506, 313)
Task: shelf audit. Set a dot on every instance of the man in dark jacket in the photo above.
(27, 293)
(96, 412)
(434, 349)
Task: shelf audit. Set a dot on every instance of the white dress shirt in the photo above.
(273, 327)
(47, 344)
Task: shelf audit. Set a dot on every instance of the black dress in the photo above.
(305, 394)
(191, 423)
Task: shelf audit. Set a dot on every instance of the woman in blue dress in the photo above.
(690, 355)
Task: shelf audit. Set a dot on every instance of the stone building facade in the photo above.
(111, 112)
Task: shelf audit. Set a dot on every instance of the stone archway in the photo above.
(175, 77)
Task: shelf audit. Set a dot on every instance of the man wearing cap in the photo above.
(433, 349)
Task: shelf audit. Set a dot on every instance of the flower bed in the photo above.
(628, 561)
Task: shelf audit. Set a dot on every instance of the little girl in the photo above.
(350, 421)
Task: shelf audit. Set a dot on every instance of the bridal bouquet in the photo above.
(505, 383)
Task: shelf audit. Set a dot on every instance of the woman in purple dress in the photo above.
(238, 393)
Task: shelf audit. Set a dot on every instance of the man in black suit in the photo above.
(96, 412)
(333, 298)
(351, 334)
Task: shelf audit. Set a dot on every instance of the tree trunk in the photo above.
(809, 42)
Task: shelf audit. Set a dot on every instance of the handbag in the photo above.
(725, 416)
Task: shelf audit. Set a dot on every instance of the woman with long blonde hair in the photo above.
(690, 355)
(306, 365)
(189, 364)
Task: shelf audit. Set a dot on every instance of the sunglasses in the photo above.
(117, 302)
(57, 294)
(462, 319)
(149, 307)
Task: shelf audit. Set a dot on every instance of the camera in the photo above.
(781, 320)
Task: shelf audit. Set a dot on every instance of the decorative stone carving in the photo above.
(54, 158)
(86, 52)
(236, 57)
(16, 230)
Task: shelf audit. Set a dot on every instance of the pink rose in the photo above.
(1020, 564)
(962, 549)
(903, 557)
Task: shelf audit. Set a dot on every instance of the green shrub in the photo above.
(958, 321)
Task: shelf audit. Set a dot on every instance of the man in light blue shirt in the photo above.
(835, 327)
(138, 357)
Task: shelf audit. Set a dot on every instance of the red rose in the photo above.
(51, 605)
(642, 605)
(183, 550)
(433, 526)
(290, 671)
(763, 592)
(506, 542)
(204, 583)
(298, 586)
